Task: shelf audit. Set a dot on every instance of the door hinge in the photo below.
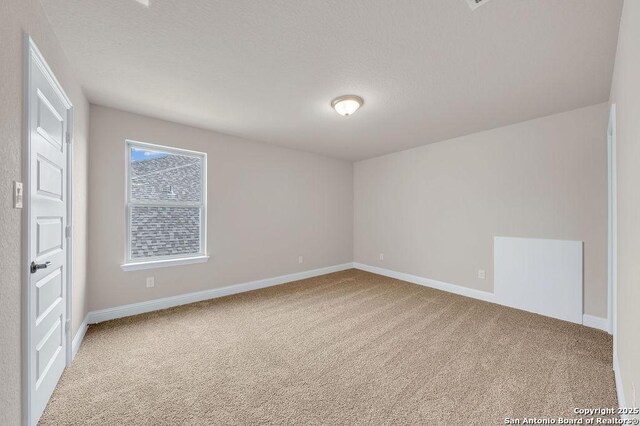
(67, 231)
(68, 137)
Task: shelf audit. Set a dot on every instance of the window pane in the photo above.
(161, 176)
(164, 231)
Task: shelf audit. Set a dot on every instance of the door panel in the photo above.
(50, 124)
(48, 349)
(49, 232)
(48, 116)
(50, 178)
(49, 291)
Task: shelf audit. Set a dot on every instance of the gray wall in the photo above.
(17, 16)
(433, 211)
(625, 93)
(266, 206)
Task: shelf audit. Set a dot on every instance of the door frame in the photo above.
(612, 306)
(31, 51)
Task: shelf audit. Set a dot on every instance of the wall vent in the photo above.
(474, 4)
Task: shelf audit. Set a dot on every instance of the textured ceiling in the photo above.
(428, 70)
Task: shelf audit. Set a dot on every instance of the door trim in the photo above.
(32, 51)
(613, 226)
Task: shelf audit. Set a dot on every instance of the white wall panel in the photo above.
(541, 276)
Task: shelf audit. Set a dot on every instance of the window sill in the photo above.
(153, 264)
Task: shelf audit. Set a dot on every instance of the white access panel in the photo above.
(541, 276)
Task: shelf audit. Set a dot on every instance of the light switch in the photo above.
(17, 195)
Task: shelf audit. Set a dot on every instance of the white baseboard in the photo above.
(596, 322)
(183, 299)
(622, 403)
(77, 340)
(587, 320)
(451, 288)
(619, 386)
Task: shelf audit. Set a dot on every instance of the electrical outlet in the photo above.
(482, 274)
(381, 256)
(300, 259)
(151, 282)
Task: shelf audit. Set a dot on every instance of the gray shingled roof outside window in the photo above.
(165, 231)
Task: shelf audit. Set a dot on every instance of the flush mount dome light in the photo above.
(347, 104)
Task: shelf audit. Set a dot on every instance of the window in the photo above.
(166, 206)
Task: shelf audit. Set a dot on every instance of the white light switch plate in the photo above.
(151, 282)
(17, 195)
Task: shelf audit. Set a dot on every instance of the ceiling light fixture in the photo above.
(347, 104)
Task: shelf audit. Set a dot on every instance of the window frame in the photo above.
(130, 263)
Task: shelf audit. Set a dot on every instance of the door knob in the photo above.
(35, 266)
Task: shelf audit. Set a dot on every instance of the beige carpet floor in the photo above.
(344, 348)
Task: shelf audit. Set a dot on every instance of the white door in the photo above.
(48, 112)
